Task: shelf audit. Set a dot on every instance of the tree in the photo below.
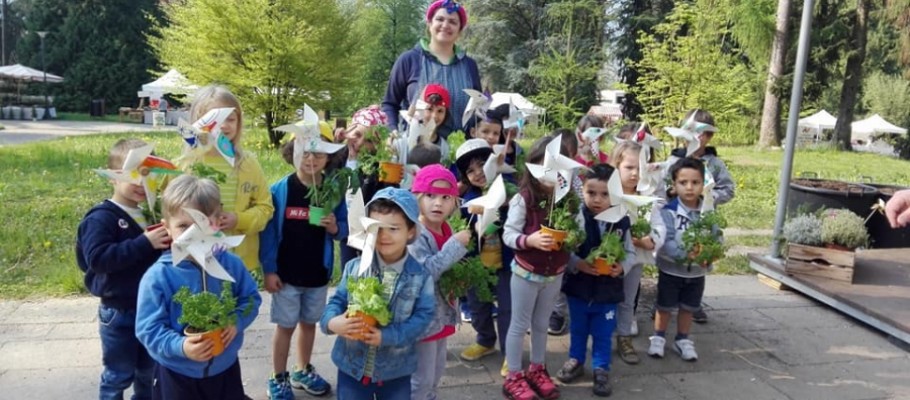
(769, 134)
(275, 55)
(853, 76)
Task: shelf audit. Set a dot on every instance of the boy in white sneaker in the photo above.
(680, 283)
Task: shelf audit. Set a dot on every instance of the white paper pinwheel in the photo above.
(622, 204)
(363, 232)
(490, 202)
(206, 132)
(690, 131)
(649, 174)
(556, 169)
(307, 138)
(201, 240)
(478, 104)
(496, 164)
(707, 202)
(142, 168)
(420, 125)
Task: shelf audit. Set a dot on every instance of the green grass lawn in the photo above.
(47, 187)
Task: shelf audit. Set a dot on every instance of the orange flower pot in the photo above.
(602, 266)
(368, 321)
(390, 172)
(558, 237)
(213, 335)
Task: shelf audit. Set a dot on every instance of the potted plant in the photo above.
(468, 273)
(803, 229)
(328, 195)
(843, 230)
(608, 254)
(562, 223)
(366, 299)
(702, 240)
(382, 159)
(207, 314)
(642, 225)
(822, 243)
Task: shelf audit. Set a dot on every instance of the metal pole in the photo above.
(3, 34)
(796, 98)
(47, 109)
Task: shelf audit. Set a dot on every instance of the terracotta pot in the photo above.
(368, 321)
(602, 266)
(316, 214)
(213, 335)
(390, 172)
(558, 237)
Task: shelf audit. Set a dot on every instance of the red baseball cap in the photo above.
(437, 89)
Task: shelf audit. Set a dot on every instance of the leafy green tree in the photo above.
(275, 55)
(853, 75)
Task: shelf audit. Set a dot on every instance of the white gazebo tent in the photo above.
(22, 73)
(811, 127)
(865, 129)
(172, 82)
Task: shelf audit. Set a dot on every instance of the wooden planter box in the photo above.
(820, 261)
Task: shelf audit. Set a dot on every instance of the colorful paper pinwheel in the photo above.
(307, 136)
(622, 204)
(202, 241)
(206, 132)
(140, 167)
(363, 232)
(495, 198)
(690, 132)
(556, 169)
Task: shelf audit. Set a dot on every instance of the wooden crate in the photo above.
(820, 261)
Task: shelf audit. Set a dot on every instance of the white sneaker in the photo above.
(657, 347)
(634, 330)
(686, 349)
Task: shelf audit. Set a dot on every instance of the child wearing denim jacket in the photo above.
(114, 250)
(380, 366)
(186, 366)
(438, 249)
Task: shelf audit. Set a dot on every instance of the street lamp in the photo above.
(47, 109)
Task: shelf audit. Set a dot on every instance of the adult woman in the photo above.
(434, 60)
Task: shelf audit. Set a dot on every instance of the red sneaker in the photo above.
(516, 388)
(540, 381)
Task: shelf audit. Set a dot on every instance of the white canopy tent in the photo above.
(171, 82)
(865, 129)
(811, 127)
(23, 73)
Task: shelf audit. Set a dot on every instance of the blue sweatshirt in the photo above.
(416, 68)
(156, 317)
(113, 252)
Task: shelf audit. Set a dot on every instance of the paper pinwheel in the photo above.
(622, 204)
(206, 132)
(202, 240)
(707, 202)
(649, 175)
(363, 232)
(490, 202)
(496, 164)
(690, 131)
(307, 136)
(420, 124)
(556, 169)
(142, 168)
(477, 105)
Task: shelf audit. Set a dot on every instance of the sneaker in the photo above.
(633, 331)
(700, 317)
(626, 350)
(602, 386)
(656, 349)
(279, 387)
(475, 352)
(558, 325)
(516, 388)
(540, 381)
(570, 371)
(309, 381)
(686, 349)
(504, 371)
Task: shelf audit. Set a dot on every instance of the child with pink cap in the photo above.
(437, 249)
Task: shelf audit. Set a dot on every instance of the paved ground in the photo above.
(17, 132)
(760, 344)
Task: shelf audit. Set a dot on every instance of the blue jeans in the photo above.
(352, 389)
(126, 362)
(597, 320)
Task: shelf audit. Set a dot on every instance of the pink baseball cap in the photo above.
(423, 181)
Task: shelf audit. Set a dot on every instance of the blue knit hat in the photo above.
(404, 199)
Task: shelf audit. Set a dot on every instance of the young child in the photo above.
(589, 152)
(724, 187)
(381, 365)
(593, 297)
(488, 128)
(245, 195)
(625, 160)
(425, 154)
(297, 259)
(439, 100)
(438, 249)
(114, 250)
(536, 277)
(186, 367)
(559, 319)
(471, 156)
(679, 284)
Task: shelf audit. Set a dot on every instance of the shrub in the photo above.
(804, 229)
(843, 227)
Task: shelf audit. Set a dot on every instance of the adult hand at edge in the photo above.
(898, 209)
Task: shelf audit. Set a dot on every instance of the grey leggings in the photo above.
(532, 303)
(626, 309)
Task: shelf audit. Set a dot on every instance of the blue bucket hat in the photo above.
(404, 199)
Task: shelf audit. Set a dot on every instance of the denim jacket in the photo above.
(413, 306)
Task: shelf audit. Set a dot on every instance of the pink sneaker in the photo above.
(516, 387)
(540, 381)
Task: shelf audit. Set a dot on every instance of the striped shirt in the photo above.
(134, 212)
(389, 277)
(229, 187)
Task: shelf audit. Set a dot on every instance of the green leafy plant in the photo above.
(369, 161)
(206, 311)
(329, 194)
(610, 250)
(563, 216)
(642, 226)
(842, 227)
(703, 239)
(804, 229)
(367, 295)
(457, 222)
(468, 273)
(455, 140)
(205, 171)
